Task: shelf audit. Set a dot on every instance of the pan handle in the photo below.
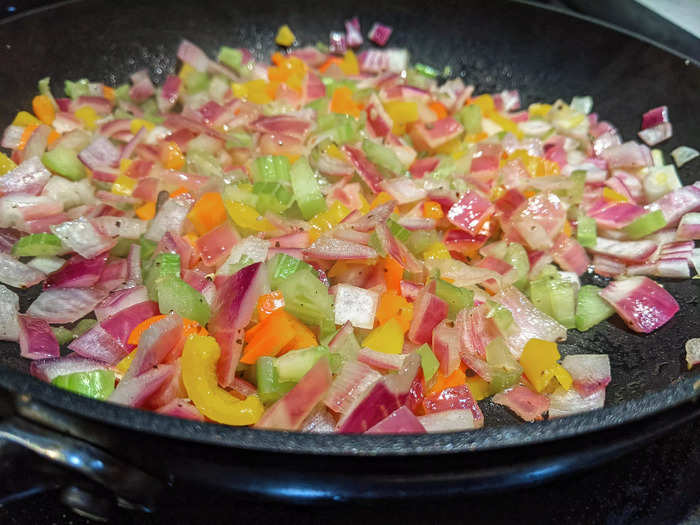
(133, 487)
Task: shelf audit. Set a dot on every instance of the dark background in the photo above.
(659, 483)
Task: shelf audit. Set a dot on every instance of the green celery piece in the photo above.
(242, 263)
(344, 127)
(294, 365)
(147, 248)
(322, 47)
(577, 182)
(230, 57)
(98, 384)
(307, 192)
(427, 71)
(517, 257)
(83, 326)
(164, 265)
(45, 86)
(151, 112)
(272, 196)
(428, 361)
(417, 79)
(646, 224)
(327, 331)
(586, 231)
(63, 335)
(196, 82)
(470, 117)
(540, 296)
(397, 230)
(501, 316)
(307, 298)
(281, 266)
(203, 163)
(239, 139)
(457, 298)
(121, 92)
(121, 249)
(241, 193)
(271, 168)
(177, 296)
(445, 169)
(376, 244)
(591, 309)
(504, 369)
(77, 89)
(383, 157)
(420, 240)
(320, 106)
(562, 296)
(346, 347)
(38, 245)
(64, 162)
(582, 104)
(270, 389)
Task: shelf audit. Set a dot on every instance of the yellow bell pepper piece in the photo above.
(88, 116)
(539, 362)
(326, 220)
(185, 71)
(538, 110)
(478, 387)
(436, 251)
(138, 123)
(381, 198)
(24, 118)
(507, 124)
(199, 359)
(387, 338)
(285, 37)
(123, 365)
(247, 217)
(257, 91)
(485, 102)
(239, 90)
(563, 377)
(613, 196)
(124, 185)
(402, 112)
(334, 151)
(349, 65)
(124, 165)
(6, 164)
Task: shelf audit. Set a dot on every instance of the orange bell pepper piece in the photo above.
(146, 212)
(393, 306)
(393, 273)
(269, 337)
(432, 210)
(108, 93)
(439, 109)
(208, 212)
(43, 109)
(304, 337)
(190, 327)
(171, 156)
(456, 378)
(342, 102)
(26, 135)
(268, 303)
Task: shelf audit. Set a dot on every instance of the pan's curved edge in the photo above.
(685, 391)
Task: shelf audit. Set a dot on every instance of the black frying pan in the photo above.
(494, 45)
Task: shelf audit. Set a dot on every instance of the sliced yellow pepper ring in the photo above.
(199, 358)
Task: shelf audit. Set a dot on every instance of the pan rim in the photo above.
(686, 389)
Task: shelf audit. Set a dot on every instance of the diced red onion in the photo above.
(616, 215)
(65, 305)
(98, 345)
(439, 133)
(654, 117)
(329, 248)
(379, 34)
(170, 217)
(282, 124)
(570, 255)
(156, 342)
(400, 421)
(49, 369)
(9, 307)
(397, 250)
(192, 55)
(236, 298)
(83, 238)
(446, 346)
(135, 392)
(689, 227)
(353, 34)
(17, 274)
(100, 153)
(692, 352)
(354, 379)
(337, 43)
(367, 171)
(120, 300)
(355, 304)
(133, 143)
(677, 203)
(628, 251)
(655, 135)
(428, 311)
(381, 360)
(169, 93)
(142, 87)
(528, 405)
(36, 339)
(100, 104)
(403, 190)
(11, 137)
(565, 403)
(215, 245)
(448, 421)
(29, 178)
(121, 324)
(683, 154)
(605, 141)
(77, 272)
(540, 220)
(590, 372)
(643, 304)
(627, 155)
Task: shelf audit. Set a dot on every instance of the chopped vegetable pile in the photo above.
(334, 242)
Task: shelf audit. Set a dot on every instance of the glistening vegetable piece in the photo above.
(333, 237)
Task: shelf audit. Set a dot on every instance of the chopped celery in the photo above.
(428, 361)
(98, 384)
(272, 196)
(586, 231)
(38, 245)
(427, 71)
(151, 112)
(241, 193)
(293, 365)
(62, 334)
(326, 331)
(77, 89)
(344, 128)
(164, 266)
(196, 82)
(591, 309)
(646, 224)
(383, 157)
(242, 263)
(121, 92)
(239, 139)
(231, 57)
(347, 347)
(270, 389)
(577, 181)
(501, 316)
(45, 86)
(446, 168)
(320, 106)
(457, 298)
(271, 168)
(83, 326)
(420, 240)
(517, 257)
(417, 79)
(121, 249)
(203, 163)
(65, 162)
(281, 266)
(470, 117)
(376, 244)
(539, 295)
(306, 189)
(175, 295)
(504, 369)
(397, 230)
(562, 296)
(307, 298)
(582, 104)
(147, 248)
